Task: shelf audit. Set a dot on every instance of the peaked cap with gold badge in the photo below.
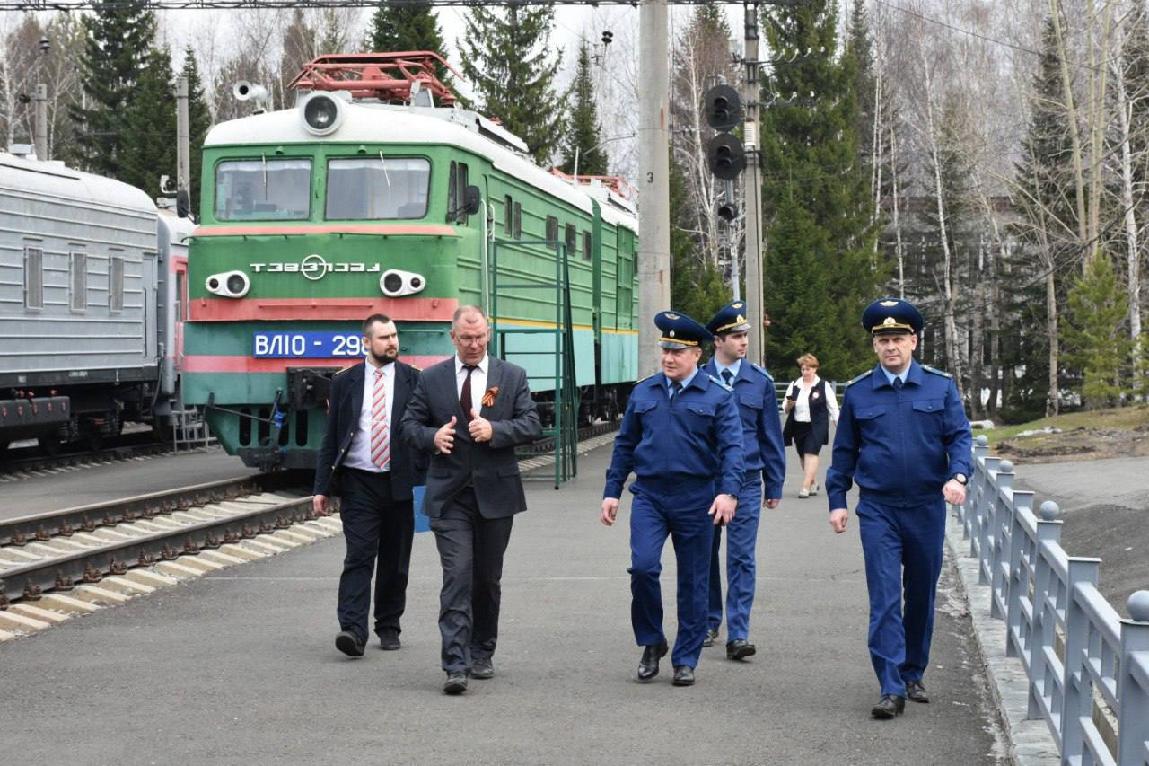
(892, 315)
(679, 330)
(730, 318)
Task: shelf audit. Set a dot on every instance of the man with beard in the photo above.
(363, 462)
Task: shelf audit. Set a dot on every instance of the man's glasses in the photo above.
(468, 340)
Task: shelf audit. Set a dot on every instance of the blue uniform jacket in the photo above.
(900, 447)
(762, 448)
(696, 437)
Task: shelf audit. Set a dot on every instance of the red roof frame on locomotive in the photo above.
(388, 77)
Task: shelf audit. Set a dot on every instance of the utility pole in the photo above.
(183, 144)
(40, 137)
(654, 179)
(751, 188)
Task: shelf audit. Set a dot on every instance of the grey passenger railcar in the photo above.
(84, 289)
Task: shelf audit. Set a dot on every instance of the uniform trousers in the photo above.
(741, 537)
(681, 516)
(471, 550)
(903, 553)
(378, 531)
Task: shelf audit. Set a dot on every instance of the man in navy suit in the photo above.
(471, 411)
(363, 461)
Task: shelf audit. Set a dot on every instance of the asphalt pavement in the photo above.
(240, 666)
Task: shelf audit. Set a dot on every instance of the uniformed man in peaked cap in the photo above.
(764, 459)
(904, 439)
(682, 438)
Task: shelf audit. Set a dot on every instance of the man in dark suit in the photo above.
(361, 460)
(470, 411)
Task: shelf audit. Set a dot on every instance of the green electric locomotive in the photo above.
(377, 194)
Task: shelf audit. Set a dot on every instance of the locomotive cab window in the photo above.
(457, 193)
(263, 190)
(377, 187)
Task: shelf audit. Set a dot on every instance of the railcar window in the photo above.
(552, 231)
(33, 278)
(379, 187)
(587, 246)
(508, 216)
(518, 220)
(116, 283)
(263, 190)
(78, 268)
(570, 240)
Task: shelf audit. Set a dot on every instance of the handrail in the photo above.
(1078, 653)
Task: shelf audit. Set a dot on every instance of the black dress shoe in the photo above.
(389, 639)
(648, 665)
(740, 649)
(683, 675)
(456, 683)
(916, 691)
(349, 643)
(482, 668)
(889, 706)
(711, 637)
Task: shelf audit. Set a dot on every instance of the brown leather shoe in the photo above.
(889, 706)
(916, 691)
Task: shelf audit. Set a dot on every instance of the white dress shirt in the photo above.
(802, 403)
(478, 381)
(359, 456)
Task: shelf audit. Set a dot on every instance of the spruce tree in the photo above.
(1044, 178)
(696, 285)
(1096, 340)
(119, 39)
(149, 132)
(810, 166)
(582, 135)
(507, 58)
(407, 27)
(199, 122)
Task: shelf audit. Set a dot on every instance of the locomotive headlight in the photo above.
(322, 114)
(229, 284)
(395, 283)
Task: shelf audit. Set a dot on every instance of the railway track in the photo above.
(22, 462)
(102, 554)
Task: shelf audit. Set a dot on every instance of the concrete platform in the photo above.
(240, 667)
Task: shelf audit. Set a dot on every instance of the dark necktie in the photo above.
(728, 376)
(897, 384)
(465, 394)
(675, 387)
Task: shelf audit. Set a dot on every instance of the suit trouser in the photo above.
(471, 550)
(378, 532)
(903, 552)
(741, 537)
(684, 519)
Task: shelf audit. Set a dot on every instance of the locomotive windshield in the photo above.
(379, 187)
(276, 189)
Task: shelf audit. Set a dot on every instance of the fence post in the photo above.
(1003, 480)
(1078, 684)
(1044, 627)
(977, 483)
(1133, 720)
(985, 491)
(1007, 578)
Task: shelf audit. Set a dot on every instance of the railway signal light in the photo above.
(727, 211)
(725, 156)
(723, 107)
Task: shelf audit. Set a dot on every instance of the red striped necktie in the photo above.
(380, 433)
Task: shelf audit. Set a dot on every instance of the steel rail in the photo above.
(44, 526)
(90, 566)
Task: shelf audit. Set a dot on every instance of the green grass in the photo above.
(1121, 419)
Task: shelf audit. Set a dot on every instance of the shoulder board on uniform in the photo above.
(762, 370)
(648, 377)
(719, 382)
(865, 374)
(936, 371)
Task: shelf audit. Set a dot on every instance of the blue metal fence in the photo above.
(1088, 668)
